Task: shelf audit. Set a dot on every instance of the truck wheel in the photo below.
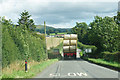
(64, 57)
(75, 57)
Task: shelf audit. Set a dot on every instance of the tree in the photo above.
(81, 30)
(50, 30)
(5, 21)
(48, 33)
(104, 34)
(56, 32)
(26, 22)
(117, 20)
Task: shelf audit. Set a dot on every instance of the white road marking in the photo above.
(81, 74)
(71, 74)
(54, 75)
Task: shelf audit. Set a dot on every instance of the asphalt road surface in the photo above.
(76, 69)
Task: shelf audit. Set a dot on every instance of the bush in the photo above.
(10, 51)
(81, 53)
(110, 56)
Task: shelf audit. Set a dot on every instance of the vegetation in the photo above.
(57, 33)
(101, 35)
(34, 69)
(20, 43)
(104, 62)
(104, 34)
(83, 47)
(26, 22)
(51, 30)
(110, 56)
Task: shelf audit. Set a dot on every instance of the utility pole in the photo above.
(45, 39)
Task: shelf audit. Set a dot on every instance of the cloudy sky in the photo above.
(59, 13)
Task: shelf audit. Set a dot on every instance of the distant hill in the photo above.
(40, 28)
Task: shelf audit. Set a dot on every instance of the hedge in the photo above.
(83, 46)
(21, 44)
(110, 56)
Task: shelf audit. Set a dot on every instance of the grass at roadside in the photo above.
(34, 69)
(104, 62)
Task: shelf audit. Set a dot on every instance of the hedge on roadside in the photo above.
(21, 44)
(83, 46)
(110, 56)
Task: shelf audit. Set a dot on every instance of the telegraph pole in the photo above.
(45, 39)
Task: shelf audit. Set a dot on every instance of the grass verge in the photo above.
(110, 64)
(102, 61)
(31, 72)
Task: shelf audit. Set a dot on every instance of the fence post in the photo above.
(25, 65)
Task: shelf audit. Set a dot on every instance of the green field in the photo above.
(58, 33)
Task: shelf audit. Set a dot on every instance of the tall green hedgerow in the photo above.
(21, 44)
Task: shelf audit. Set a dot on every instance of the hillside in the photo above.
(40, 28)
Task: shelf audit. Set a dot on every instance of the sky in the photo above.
(59, 13)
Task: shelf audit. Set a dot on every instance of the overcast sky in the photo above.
(59, 13)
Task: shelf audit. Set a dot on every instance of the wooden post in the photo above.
(45, 39)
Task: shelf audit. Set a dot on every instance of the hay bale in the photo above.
(66, 37)
(66, 42)
(66, 48)
(73, 36)
(72, 48)
(73, 42)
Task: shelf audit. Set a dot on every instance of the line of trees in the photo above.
(20, 42)
(104, 33)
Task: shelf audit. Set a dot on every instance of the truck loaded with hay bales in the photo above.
(70, 46)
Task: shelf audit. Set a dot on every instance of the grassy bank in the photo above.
(53, 42)
(102, 62)
(34, 69)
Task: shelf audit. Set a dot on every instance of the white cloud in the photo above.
(59, 13)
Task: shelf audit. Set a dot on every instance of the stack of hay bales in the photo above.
(70, 43)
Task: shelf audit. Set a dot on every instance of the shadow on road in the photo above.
(71, 59)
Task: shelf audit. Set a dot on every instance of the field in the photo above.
(53, 42)
(58, 33)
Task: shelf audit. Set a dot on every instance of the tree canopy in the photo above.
(26, 22)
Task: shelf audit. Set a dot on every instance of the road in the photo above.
(76, 69)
